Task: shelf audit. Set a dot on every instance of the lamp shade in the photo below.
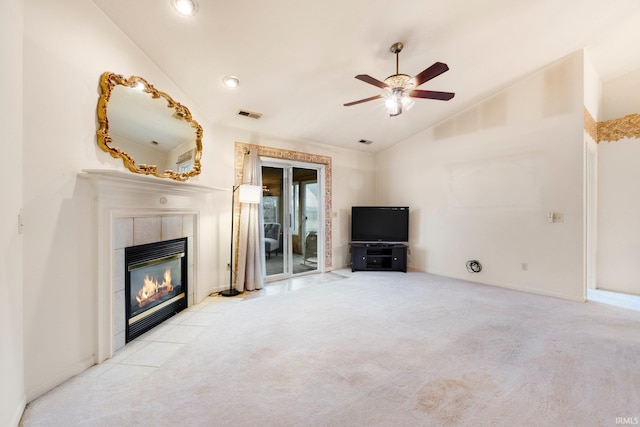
(249, 193)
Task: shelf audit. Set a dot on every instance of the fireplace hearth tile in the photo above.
(126, 373)
(97, 370)
(128, 231)
(153, 354)
(122, 233)
(171, 227)
(154, 333)
(119, 311)
(187, 225)
(118, 270)
(200, 318)
(127, 351)
(180, 334)
(119, 341)
(147, 230)
(179, 318)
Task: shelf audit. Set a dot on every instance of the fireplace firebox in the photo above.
(155, 284)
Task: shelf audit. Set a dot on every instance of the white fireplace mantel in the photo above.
(132, 180)
(124, 197)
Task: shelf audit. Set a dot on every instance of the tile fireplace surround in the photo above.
(133, 231)
(133, 210)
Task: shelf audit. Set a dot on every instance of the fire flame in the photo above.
(152, 289)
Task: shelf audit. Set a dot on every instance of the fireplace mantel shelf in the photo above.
(144, 182)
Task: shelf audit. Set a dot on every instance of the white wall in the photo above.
(68, 44)
(12, 389)
(592, 102)
(620, 96)
(618, 204)
(480, 185)
(592, 88)
(618, 221)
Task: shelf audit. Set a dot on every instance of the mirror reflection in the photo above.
(152, 133)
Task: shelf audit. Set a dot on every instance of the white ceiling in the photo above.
(296, 60)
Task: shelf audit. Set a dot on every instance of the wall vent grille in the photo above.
(251, 114)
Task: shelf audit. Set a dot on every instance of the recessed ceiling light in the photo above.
(231, 81)
(185, 7)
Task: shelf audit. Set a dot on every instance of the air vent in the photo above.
(249, 114)
(365, 141)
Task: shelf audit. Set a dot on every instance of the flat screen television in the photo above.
(384, 224)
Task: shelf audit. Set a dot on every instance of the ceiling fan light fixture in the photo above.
(399, 81)
(391, 105)
(185, 7)
(407, 103)
(397, 101)
(231, 81)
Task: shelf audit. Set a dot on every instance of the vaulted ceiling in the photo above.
(296, 60)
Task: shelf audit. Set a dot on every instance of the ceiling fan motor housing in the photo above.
(396, 47)
(399, 81)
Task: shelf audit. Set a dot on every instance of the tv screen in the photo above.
(379, 224)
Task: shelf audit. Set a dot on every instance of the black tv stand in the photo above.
(378, 257)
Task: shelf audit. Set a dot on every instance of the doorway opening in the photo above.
(306, 160)
(293, 206)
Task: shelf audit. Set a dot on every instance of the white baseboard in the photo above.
(513, 287)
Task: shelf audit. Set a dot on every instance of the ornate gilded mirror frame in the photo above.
(108, 81)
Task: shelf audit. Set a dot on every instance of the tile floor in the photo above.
(631, 302)
(149, 351)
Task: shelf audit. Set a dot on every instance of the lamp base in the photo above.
(230, 292)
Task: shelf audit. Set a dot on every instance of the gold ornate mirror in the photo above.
(147, 129)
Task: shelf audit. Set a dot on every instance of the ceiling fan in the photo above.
(399, 88)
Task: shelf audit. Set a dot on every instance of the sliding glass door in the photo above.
(292, 206)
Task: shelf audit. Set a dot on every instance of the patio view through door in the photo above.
(292, 206)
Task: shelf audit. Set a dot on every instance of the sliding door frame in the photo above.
(266, 152)
(287, 197)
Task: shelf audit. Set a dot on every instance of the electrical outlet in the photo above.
(555, 217)
(524, 266)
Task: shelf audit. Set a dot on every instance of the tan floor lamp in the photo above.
(247, 193)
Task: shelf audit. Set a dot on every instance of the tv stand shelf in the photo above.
(378, 257)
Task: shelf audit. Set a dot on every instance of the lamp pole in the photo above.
(231, 292)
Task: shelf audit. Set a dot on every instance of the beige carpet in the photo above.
(380, 349)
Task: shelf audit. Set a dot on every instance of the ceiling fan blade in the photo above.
(368, 79)
(434, 71)
(362, 100)
(431, 94)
